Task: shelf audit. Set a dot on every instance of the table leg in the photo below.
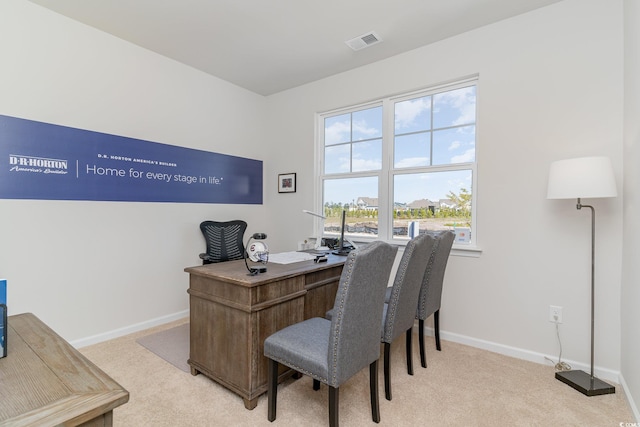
(250, 403)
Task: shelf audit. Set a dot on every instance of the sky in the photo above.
(430, 132)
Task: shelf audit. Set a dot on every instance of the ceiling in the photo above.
(268, 46)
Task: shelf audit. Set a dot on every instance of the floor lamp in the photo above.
(585, 177)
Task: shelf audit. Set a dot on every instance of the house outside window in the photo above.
(400, 166)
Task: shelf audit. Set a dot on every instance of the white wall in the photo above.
(631, 269)
(550, 87)
(92, 268)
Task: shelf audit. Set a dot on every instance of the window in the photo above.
(401, 165)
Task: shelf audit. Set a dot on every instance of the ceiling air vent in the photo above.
(363, 41)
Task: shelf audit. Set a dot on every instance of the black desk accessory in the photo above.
(257, 252)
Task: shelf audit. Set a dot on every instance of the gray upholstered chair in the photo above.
(332, 351)
(399, 310)
(431, 291)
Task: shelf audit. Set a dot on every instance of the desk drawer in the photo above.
(321, 287)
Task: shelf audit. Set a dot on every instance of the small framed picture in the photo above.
(287, 183)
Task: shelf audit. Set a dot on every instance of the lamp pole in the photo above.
(588, 384)
(318, 244)
(593, 270)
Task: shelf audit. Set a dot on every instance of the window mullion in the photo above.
(385, 217)
(431, 134)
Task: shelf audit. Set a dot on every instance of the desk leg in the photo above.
(108, 419)
(250, 403)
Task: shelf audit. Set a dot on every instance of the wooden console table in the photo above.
(44, 381)
(232, 313)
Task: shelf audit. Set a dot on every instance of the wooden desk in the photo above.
(232, 314)
(44, 381)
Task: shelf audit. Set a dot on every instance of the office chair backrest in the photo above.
(224, 240)
(431, 290)
(354, 342)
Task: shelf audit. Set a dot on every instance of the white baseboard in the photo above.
(95, 339)
(518, 353)
(632, 404)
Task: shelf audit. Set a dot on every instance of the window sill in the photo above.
(469, 251)
(466, 251)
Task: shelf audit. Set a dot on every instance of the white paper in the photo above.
(290, 257)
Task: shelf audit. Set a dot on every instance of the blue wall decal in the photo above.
(50, 162)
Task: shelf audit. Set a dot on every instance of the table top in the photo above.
(236, 271)
(44, 381)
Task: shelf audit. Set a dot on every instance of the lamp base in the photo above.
(257, 270)
(342, 252)
(585, 383)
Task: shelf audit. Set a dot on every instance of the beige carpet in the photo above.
(462, 386)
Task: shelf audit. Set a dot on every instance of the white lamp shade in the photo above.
(583, 177)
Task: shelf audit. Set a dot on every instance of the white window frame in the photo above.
(387, 172)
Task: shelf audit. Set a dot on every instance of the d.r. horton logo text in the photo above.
(20, 163)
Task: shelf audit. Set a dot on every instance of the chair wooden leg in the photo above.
(373, 390)
(409, 352)
(272, 390)
(387, 369)
(316, 384)
(423, 357)
(436, 326)
(334, 403)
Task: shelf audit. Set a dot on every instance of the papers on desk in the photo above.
(290, 257)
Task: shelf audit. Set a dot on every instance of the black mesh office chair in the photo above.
(224, 240)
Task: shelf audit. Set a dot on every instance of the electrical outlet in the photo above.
(555, 314)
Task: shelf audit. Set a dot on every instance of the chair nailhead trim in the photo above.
(334, 364)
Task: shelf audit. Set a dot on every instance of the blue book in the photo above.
(3, 317)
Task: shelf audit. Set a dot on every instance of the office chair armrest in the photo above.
(205, 257)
